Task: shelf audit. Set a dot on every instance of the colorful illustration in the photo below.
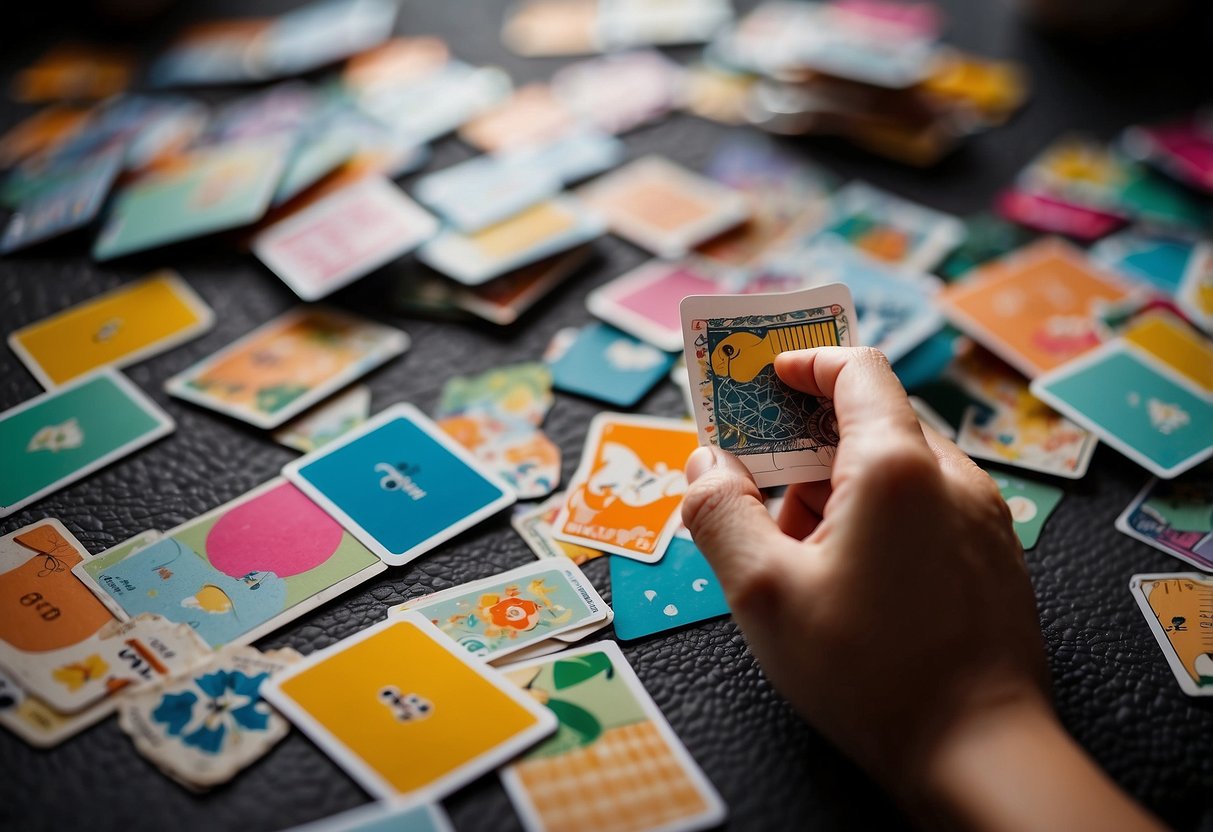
(892, 230)
(1176, 607)
(331, 420)
(534, 525)
(678, 590)
(1030, 502)
(1175, 517)
(232, 571)
(585, 776)
(287, 365)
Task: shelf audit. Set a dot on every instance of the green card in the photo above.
(1030, 502)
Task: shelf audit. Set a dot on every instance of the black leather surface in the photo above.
(1113, 689)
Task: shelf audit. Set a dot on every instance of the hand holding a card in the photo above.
(891, 606)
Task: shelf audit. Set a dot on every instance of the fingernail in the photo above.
(701, 460)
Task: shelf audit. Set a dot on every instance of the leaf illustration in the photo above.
(574, 671)
(577, 719)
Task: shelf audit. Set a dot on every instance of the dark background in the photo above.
(1113, 689)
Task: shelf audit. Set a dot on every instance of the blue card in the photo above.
(1158, 260)
(71, 204)
(400, 485)
(1134, 403)
(679, 589)
(608, 365)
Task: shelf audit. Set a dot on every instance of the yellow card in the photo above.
(406, 711)
(121, 327)
(1175, 344)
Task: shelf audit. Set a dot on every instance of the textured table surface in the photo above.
(1112, 686)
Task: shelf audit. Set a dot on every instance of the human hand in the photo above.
(891, 605)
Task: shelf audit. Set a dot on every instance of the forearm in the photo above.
(1018, 770)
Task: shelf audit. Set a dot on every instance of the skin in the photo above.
(892, 607)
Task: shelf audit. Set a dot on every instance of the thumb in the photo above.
(724, 512)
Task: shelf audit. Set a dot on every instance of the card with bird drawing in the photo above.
(781, 435)
(626, 493)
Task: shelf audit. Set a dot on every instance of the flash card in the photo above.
(679, 590)
(1175, 517)
(892, 229)
(780, 434)
(1176, 607)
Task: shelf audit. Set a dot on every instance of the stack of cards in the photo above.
(534, 525)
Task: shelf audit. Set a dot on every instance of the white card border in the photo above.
(1122, 526)
(977, 452)
(1176, 666)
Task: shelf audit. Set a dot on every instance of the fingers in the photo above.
(724, 512)
(954, 462)
(803, 504)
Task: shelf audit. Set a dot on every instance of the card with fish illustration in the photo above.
(324, 423)
(55, 439)
(400, 484)
(121, 327)
(343, 236)
(611, 366)
(202, 727)
(891, 229)
(1030, 503)
(578, 778)
(780, 434)
(1195, 294)
(1136, 404)
(213, 189)
(402, 684)
(1172, 341)
(70, 204)
(397, 816)
(624, 498)
(543, 230)
(494, 617)
(1175, 517)
(1176, 607)
(1037, 308)
(663, 207)
(284, 367)
(534, 526)
(239, 571)
(677, 591)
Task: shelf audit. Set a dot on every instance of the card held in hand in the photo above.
(781, 435)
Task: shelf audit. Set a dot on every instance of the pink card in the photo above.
(1055, 216)
(644, 302)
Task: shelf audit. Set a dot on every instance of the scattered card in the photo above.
(285, 366)
(644, 302)
(121, 327)
(678, 590)
(619, 92)
(1169, 339)
(71, 203)
(534, 526)
(1155, 259)
(531, 116)
(584, 776)
(663, 207)
(400, 485)
(1176, 607)
(321, 425)
(892, 229)
(1175, 517)
(624, 498)
(54, 439)
(780, 434)
(1030, 502)
(610, 366)
(402, 684)
(487, 189)
(237, 572)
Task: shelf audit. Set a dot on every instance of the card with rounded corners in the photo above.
(123, 326)
(781, 435)
(534, 525)
(1176, 608)
(1175, 517)
(398, 685)
(892, 229)
(400, 484)
(287, 365)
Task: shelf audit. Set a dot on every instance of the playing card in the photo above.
(54, 439)
(1176, 607)
(322, 424)
(532, 115)
(1042, 212)
(507, 298)
(575, 156)
(538, 232)
(121, 327)
(1030, 502)
(518, 452)
(624, 498)
(1169, 339)
(400, 485)
(1156, 259)
(402, 684)
(534, 525)
(582, 776)
(644, 302)
(486, 189)
(389, 815)
(892, 229)
(1136, 404)
(209, 190)
(202, 727)
(546, 28)
(663, 207)
(71, 203)
(497, 616)
(239, 571)
(285, 366)
(1195, 295)
(608, 365)
(1037, 308)
(678, 590)
(780, 434)
(619, 92)
(1175, 517)
(343, 237)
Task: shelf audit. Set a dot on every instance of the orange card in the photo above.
(627, 492)
(1037, 308)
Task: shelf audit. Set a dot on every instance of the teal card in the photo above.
(57, 438)
(1030, 502)
(213, 190)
